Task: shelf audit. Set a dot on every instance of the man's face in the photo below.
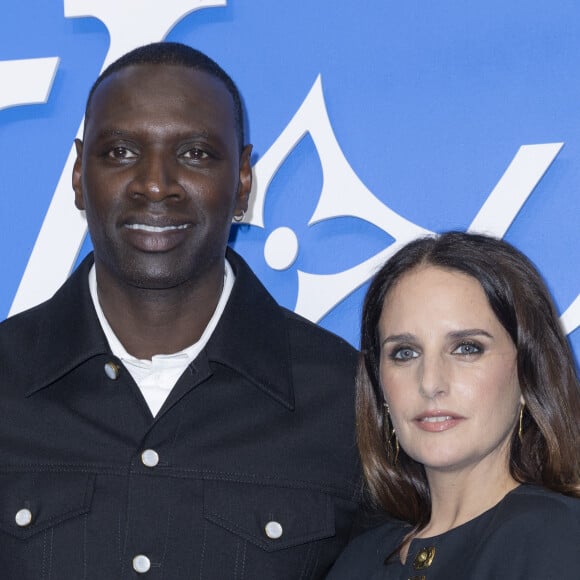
(160, 175)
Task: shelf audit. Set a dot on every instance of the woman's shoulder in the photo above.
(534, 533)
(365, 554)
(531, 502)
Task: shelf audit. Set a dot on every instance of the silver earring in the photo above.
(240, 217)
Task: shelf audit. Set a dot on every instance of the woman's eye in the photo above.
(404, 353)
(467, 348)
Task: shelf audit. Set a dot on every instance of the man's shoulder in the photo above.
(316, 334)
(252, 305)
(51, 321)
(20, 337)
(34, 316)
(25, 322)
(73, 291)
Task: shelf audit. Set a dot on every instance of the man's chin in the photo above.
(157, 271)
(157, 280)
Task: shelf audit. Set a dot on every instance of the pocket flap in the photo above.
(270, 517)
(31, 502)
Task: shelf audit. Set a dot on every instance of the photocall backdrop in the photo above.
(372, 123)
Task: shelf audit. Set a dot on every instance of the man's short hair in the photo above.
(177, 54)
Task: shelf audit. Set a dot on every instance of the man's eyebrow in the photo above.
(105, 133)
(186, 134)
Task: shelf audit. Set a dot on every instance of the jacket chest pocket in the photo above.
(35, 508)
(271, 531)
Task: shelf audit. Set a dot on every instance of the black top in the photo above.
(532, 534)
(249, 470)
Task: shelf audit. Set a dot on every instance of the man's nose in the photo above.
(157, 178)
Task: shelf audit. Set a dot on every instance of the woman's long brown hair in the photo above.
(549, 452)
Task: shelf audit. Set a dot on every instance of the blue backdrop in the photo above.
(370, 126)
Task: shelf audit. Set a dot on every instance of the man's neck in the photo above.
(149, 322)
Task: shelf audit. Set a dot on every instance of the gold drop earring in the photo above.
(392, 435)
(521, 428)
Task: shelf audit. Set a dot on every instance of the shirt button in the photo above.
(150, 458)
(274, 530)
(112, 370)
(23, 518)
(141, 564)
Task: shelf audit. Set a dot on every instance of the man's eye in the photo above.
(467, 348)
(195, 154)
(403, 354)
(121, 153)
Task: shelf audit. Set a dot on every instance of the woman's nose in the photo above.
(433, 379)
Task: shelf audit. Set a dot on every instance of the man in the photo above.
(161, 415)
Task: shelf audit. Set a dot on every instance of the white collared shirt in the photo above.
(157, 377)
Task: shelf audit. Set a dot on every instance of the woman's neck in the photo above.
(460, 496)
(457, 500)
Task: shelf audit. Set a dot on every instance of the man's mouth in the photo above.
(155, 229)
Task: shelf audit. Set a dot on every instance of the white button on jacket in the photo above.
(274, 530)
(141, 564)
(150, 458)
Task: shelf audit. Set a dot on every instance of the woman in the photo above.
(468, 411)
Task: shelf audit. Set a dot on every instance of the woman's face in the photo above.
(448, 371)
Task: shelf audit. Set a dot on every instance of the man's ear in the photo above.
(245, 183)
(77, 176)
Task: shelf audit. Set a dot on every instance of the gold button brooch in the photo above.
(424, 558)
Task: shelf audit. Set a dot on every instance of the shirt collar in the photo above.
(188, 353)
(250, 337)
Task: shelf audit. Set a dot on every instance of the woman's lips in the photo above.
(436, 422)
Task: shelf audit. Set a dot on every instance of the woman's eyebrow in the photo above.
(405, 337)
(467, 333)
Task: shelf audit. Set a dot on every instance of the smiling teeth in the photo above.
(436, 419)
(155, 229)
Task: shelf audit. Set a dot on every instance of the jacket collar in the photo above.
(250, 338)
(65, 330)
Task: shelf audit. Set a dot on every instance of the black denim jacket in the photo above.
(251, 470)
